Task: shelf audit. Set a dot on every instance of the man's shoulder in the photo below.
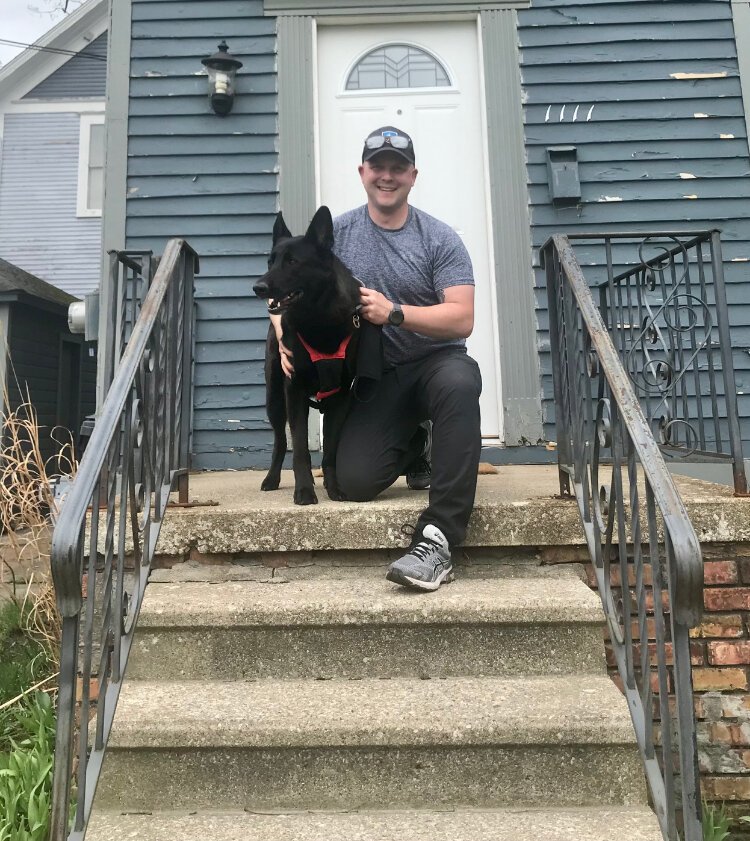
(348, 220)
(435, 229)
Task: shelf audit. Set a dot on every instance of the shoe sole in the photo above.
(445, 577)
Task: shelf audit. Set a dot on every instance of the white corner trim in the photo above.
(82, 209)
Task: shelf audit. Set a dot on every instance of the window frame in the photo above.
(84, 150)
(450, 87)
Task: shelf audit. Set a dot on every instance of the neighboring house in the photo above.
(648, 92)
(40, 360)
(52, 152)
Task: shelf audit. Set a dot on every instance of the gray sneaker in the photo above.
(426, 565)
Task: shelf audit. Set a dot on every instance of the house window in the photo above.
(91, 166)
(397, 66)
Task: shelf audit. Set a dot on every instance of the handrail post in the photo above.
(725, 347)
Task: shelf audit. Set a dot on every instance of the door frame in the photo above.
(520, 399)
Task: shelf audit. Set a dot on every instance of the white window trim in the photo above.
(87, 120)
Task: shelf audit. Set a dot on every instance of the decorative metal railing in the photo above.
(643, 547)
(668, 318)
(104, 539)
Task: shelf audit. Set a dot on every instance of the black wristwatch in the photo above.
(396, 316)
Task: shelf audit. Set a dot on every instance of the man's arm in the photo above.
(451, 319)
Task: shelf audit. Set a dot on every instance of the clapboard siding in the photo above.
(656, 150)
(39, 229)
(83, 76)
(214, 181)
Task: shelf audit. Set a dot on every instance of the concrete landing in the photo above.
(517, 506)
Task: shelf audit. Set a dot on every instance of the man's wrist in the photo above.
(396, 315)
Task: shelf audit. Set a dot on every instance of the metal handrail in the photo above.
(635, 524)
(667, 315)
(105, 536)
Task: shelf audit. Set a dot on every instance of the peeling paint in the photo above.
(740, 260)
(153, 74)
(546, 116)
(726, 137)
(722, 75)
(699, 116)
(575, 113)
(609, 198)
(562, 113)
(686, 175)
(591, 111)
(693, 196)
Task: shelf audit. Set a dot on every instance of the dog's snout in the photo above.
(261, 289)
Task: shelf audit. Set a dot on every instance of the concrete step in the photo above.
(371, 744)
(529, 623)
(604, 824)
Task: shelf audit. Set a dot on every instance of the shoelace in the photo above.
(423, 548)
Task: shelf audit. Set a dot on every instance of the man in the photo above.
(418, 283)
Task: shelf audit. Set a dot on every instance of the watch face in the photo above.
(396, 316)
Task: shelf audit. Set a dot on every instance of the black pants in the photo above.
(377, 441)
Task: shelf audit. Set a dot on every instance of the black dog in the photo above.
(318, 298)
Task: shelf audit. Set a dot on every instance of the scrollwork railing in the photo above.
(642, 545)
(667, 315)
(104, 539)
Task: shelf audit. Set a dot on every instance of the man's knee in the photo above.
(355, 484)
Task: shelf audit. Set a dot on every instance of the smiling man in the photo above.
(418, 284)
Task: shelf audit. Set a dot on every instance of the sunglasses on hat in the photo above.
(396, 141)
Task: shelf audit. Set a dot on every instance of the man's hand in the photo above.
(375, 306)
(287, 360)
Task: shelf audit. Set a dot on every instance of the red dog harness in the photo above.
(328, 366)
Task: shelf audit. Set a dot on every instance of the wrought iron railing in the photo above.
(668, 318)
(643, 547)
(104, 539)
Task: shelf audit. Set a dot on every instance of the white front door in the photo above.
(425, 79)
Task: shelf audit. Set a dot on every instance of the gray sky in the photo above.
(19, 23)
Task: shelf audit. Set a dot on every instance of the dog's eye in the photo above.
(292, 260)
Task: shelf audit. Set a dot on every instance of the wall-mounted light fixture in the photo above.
(222, 68)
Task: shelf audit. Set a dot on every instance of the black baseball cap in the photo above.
(388, 139)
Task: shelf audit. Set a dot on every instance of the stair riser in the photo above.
(365, 651)
(371, 778)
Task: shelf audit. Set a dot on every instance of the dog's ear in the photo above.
(320, 231)
(280, 230)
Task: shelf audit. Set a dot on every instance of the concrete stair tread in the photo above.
(563, 599)
(561, 824)
(546, 711)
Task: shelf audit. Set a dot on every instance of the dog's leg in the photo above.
(276, 411)
(298, 410)
(333, 420)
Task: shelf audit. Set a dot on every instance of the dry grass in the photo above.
(27, 509)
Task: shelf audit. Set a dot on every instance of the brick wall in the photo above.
(720, 656)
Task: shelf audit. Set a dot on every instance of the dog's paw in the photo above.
(270, 483)
(305, 496)
(335, 494)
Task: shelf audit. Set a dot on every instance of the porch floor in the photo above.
(519, 505)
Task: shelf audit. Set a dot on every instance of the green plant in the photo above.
(25, 771)
(715, 822)
(24, 660)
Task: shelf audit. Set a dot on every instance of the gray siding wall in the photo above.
(214, 181)
(83, 76)
(39, 230)
(645, 129)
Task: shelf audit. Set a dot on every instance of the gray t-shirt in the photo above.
(411, 265)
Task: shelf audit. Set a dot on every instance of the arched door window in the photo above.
(397, 66)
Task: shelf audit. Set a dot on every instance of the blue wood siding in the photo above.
(83, 76)
(603, 76)
(39, 229)
(214, 181)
